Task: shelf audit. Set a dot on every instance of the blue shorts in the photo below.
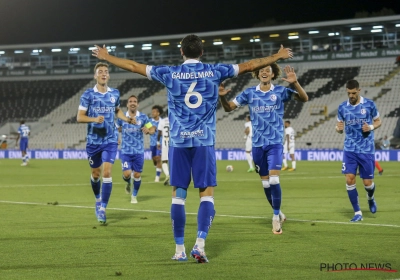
(97, 154)
(198, 162)
(132, 162)
(364, 162)
(267, 158)
(23, 144)
(154, 151)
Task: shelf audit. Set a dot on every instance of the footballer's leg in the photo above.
(204, 177)
(95, 164)
(126, 172)
(349, 168)
(137, 164)
(180, 180)
(108, 158)
(367, 173)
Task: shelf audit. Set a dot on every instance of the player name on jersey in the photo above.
(192, 75)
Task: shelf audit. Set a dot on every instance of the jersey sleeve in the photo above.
(84, 101)
(374, 111)
(241, 100)
(288, 94)
(339, 114)
(157, 73)
(118, 123)
(227, 70)
(160, 124)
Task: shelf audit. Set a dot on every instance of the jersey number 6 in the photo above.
(190, 93)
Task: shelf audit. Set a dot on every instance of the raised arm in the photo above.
(228, 105)
(259, 63)
(129, 65)
(291, 78)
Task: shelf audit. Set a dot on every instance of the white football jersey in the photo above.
(163, 125)
(289, 130)
(248, 124)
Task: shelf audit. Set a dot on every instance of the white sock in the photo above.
(275, 217)
(358, 213)
(294, 164)
(179, 248)
(249, 160)
(200, 242)
(284, 163)
(165, 168)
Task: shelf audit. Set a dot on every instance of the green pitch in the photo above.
(49, 230)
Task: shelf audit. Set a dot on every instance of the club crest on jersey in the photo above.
(273, 97)
(139, 122)
(112, 99)
(363, 111)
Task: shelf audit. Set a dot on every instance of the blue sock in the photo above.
(158, 171)
(353, 196)
(370, 190)
(95, 187)
(276, 194)
(267, 192)
(205, 216)
(136, 185)
(178, 217)
(106, 191)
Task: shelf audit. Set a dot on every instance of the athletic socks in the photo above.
(370, 191)
(353, 196)
(178, 217)
(165, 169)
(106, 191)
(136, 185)
(95, 187)
(249, 160)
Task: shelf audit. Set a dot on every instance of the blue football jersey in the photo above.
(266, 112)
(153, 138)
(97, 104)
(132, 135)
(354, 117)
(192, 93)
(23, 131)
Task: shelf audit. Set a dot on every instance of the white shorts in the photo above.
(248, 145)
(291, 149)
(164, 150)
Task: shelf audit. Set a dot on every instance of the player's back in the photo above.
(192, 99)
(24, 131)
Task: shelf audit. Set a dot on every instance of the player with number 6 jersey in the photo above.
(192, 94)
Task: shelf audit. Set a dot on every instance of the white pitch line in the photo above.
(188, 213)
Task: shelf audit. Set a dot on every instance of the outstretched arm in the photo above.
(228, 105)
(291, 78)
(121, 115)
(129, 65)
(259, 63)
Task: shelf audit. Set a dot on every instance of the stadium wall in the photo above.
(221, 154)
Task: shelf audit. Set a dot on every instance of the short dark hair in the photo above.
(275, 69)
(192, 46)
(158, 108)
(287, 121)
(22, 122)
(134, 97)
(351, 84)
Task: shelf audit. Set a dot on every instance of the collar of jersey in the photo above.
(96, 90)
(361, 101)
(191, 61)
(259, 89)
